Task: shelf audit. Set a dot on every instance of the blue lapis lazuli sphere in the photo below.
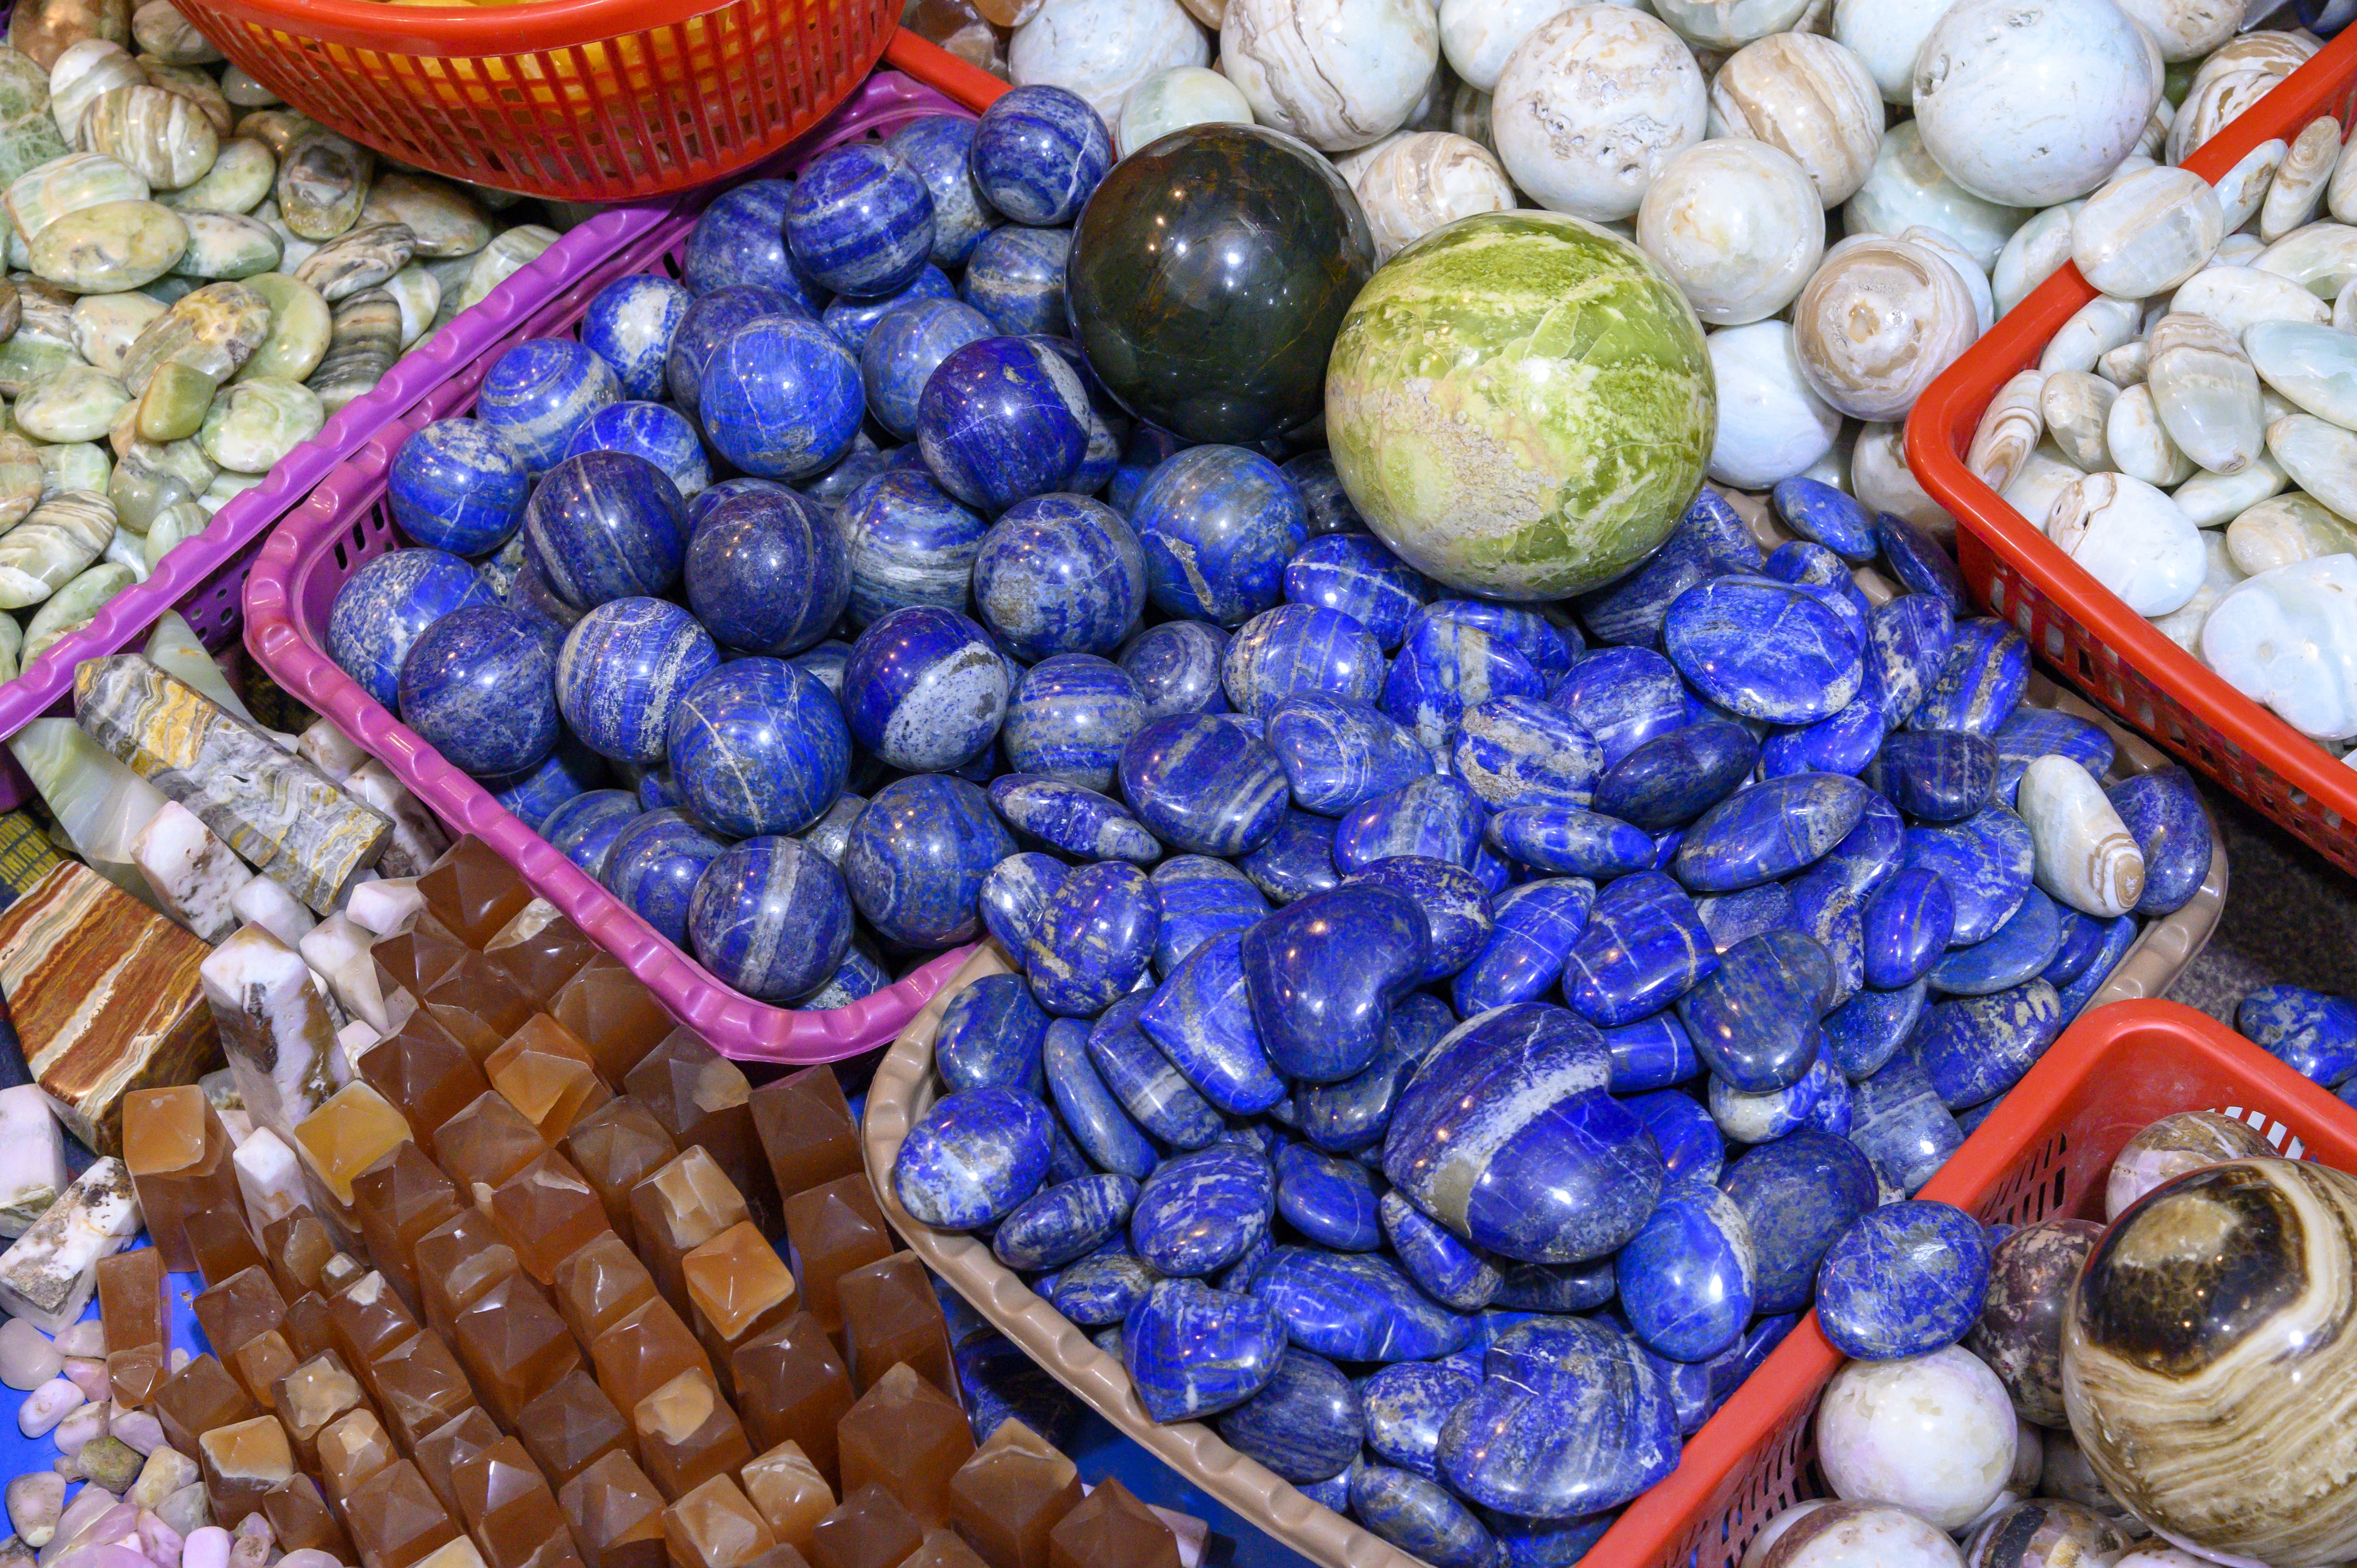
(631, 326)
(708, 320)
(622, 670)
(924, 690)
(781, 397)
(1039, 152)
(758, 746)
(908, 543)
(916, 857)
(771, 917)
(606, 525)
(741, 239)
(1218, 525)
(583, 828)
(860, 221)
(1016, 277)
(768, 573)
(654, 864)
(538, 394)
(904, 349)
(384, 607)
(1070, 717)
(654, 431)
(479, 685)
(458, 485)
(1002, 420)
(936, 147)
(1059, 574)
(563, 776)
(851, 318)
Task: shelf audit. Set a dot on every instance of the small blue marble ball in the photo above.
(758, 746)
(924, 690)
(1059, 574)
(781, 397)
(705, 503)
(538, 394)
(860, 221)
(908, 543)
(1039, 154)
(1004, 419)
(1016, 277)
(1300, 648)
(564, 775)
(851, 320)
(631, 326)
(1905, 1279)
(458, 485)
(853, 469)
(606, 525)
(768, 573)
(904, 349)
(623, 668)
(708, 320)
(654, 864)
(740, 238)
(583, 828)
(654, 431)
(771, 917)
(1218, 525)
(1178, 667)
(916, 857)
(1070, 717)
(383, 608)
(936, 147)
(479, 685)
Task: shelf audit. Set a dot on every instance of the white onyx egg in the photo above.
(1907, 186)
(2289, 639)
(1877, 322)
(1771, 424)
(1736, 222)
(1592, 104)
(1420, 181)
(2130, 537)
(1103, 48)
(1934, 1435)
(1887, 35)
(1175, 98)
(2187, 29)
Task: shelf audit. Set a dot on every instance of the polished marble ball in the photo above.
(630, 325)
(1039, 152)
(1354, 574)
(1059, 574)
(1934, 1435)
(1218, 525)
(2043, 1532)
(740, 241)
(2019, 1331)
(1016, 277)
(1851, 1535)
(654, 431)
(1294, 649)
(710, 319)
(758, 746)
(1906, 1280)
(479, 685)
(767, 573)
(907, 543)
(862, 463)
(780, 398)
(653, 865)
(924, 690)
(1070, 717)
(916, 857)
(905, 347)
(936, 147)
(859, 220)
(851, 319)
(458, 485)
(622, 671)
(383, 607)
(1003, 419)
(771, 917)
(538, 392)
(2181, 1141)
(1179, 667)
(585, 827)
(606, 525)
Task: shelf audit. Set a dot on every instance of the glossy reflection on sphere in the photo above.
(479, 685)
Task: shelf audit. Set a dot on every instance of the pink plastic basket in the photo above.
(346, 522)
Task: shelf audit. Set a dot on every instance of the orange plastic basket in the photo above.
(2098, 643)
(576, 99)
(2045, 1155)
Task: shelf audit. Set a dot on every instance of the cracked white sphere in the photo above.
(1592, 106)
(1337, 73)
(1736, 223)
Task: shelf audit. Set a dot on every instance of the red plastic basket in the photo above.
(2045, 1155)
(581, 99)
(2098, 643)
(346, 522)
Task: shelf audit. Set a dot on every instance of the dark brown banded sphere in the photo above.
(2019, 1333)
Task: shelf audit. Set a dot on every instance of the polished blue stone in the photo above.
(1143, 1080)
(1096, 939)
(1339, 754)
(1935, 776)
(1297, 861)
(1567, 841)
(1037, 154)
(1350, 1116)
(2119, 935)
(1354, 574)
(1982, 683)
(1522, 751)
(1731, 917)
(1908, 923)
(857, 976)
(924, 689)
(1817, 511)
(1798, 1194)
(903, 348)
(991, 1034)
(851, 318)
(859, 220)
(458, 485)
(1985, 860)
(630, 325)
(1058, 574)
(1016, 280)
(1820, 1098)
(1100, 1289)
(1549, 645)
(564, 775)
(1844, 743)
(382, 610)
(1002, 1384)
(1177, 667)
(623, 670)
(2083, 939)
(1557, 1287)
(1571, 1420)
(654, 866)
(583, 828)
(1066, 817)
(539, 391)
(480, 686)
(1070, 717)
(1219, 524)
(825, 664)
(1753, 1021)
(1330, 508)
(1436, 817)
(1201, 1016)
(740, 240)
(1194, 1351)
(2033, 733)
(1921, 562)
(2312, 1033)
(1901, 1126)
(1687, 1277)
(1549, 1542)
(711, 318)
(1975, 1048)
(781, 397)
(1532, 927)
(2163, 811)
(1300, 648)
(904, 542)
(1824, 909)
(1200, 1211)
(702, 504)
(916, 857)
(1202, 785)
(936, 146)
(1505, 1135)
(1799, 561)
(1455, 903)
(1906, 1280)
(1623, 697)
(654, 431)
(1652, 1053)
(1689, 1141)
(1148, 447)
(657, 792)
(2015, 952)
(1355, 1307)
(1306, 1425)
(1866, 1031)
(1090, 1112)
(1002, 419)
(1673, 778)
(1322, 975)
(972, 1157)
(1065, 1221)
(1329, 1201)
(1013, 896)
(606, 525)
(1763, 648)
(860, 464)
(1202, 899)
(1447, 664)
(1643, 947)
(1710, 540)
(771, 917)
(1420, 1517)
(1768, 831)
(1406, 1403)
(1912, 636)
(1442, 1267)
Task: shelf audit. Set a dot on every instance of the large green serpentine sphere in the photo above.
(1520, 405)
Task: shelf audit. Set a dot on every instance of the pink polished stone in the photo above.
(206, 1548)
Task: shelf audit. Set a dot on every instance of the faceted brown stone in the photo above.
(420, 1387)
(830, 1230)
(716, 1526)
(611, 1010)
(338, 1274)
(309, 1397)
(1007, 1498)
(547, 1075)
(259, 1362)
(687, 1434)
(458, 1552)
(299, 1518)
(702, 1098)
(400, 1198)
(353, 1129)
(910, 1438)
(806, 1130)
(546, 1212)
(677, 1209)
(790, 1492)
(354, 1446)
(870, 1530)
(238, 1308)
(571, 1427)
(598, 1285)
(367, 1319)
(1111, 1528)
(615, 1147)
(241, 1463)
(738, 1286)
(943, 1549)
(440, 1452)
(485, 1143)
(508, 1508)
(791, 1387)
(309, 1327)
(472, 891)
(179, 1154)
(458, 1261)
(221, 1242)
(540, 950)
(514, 1346)
(131, 1305)
(425, 1072)
(198, 1397)
(470, 995)
(643, 1351)
(615, 1513)
(396, 1520)
(298, 1246)
(891, 1316)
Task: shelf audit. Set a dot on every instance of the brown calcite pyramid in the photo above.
(806, 1130)
(616, 1514)
(1111, 1528)
(178, 1155)
(943, 1549)
(1011, 1495)
(131, 1305)
(426, 1073)
(790, 1492)
(572, 1426)
(473, 892)
(792, 1388)
(869, 1530)
(546, 1211)
(615, 1147)
(831, 1230)
(908, 1437)
(890, 1316)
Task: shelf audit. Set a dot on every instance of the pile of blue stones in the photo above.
(2312, 1032)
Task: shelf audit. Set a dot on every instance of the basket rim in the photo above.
(462, 31)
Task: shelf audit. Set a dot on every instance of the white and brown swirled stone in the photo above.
(2174, 1146)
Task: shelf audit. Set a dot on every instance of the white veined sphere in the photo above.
(1337, 73)
(1424, 179)
(1175, 98)
(1771, 424)
(1476, 36)
(1810, 96)
(1887, 35)
(1934, 1435)
(2187, 29)
(1102, 48)
(1730, 24)
(1591, 105)
(1877, 322)
(1736, 223)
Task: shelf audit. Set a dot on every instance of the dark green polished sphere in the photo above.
(1208, 274)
